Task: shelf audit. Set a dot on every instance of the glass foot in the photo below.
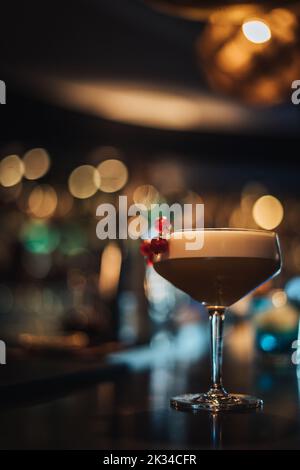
(215, 402)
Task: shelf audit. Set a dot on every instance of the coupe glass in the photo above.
(229, 265)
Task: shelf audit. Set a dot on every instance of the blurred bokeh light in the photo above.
(146, 195)
(110, 270)
(268, 212)
(113, 175)
(42, 201)
(36, 163)
(84, 181)
(11, 170)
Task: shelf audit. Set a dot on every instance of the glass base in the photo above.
(215, 402)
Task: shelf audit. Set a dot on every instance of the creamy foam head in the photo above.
(224, 243)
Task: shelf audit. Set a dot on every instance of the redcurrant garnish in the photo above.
(162, 225)
(149, 259)
(145, 247)
(159, 245)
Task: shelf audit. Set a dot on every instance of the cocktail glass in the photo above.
(230, 264)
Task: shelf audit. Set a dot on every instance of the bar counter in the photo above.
(122, 402)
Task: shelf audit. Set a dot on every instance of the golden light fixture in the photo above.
(250, 53)
(256, 31)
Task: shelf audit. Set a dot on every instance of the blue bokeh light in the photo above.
(292, 289)
(268, 342)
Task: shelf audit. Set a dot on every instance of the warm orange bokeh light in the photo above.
(11, 170)
(84, 181)
(36, 163)
(113, 175)
(268, 212)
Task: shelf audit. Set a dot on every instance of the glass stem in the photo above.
(216, 318)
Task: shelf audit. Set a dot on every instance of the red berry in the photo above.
(162, 225)
(145, 247)
(159, 245)
(149, 259)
